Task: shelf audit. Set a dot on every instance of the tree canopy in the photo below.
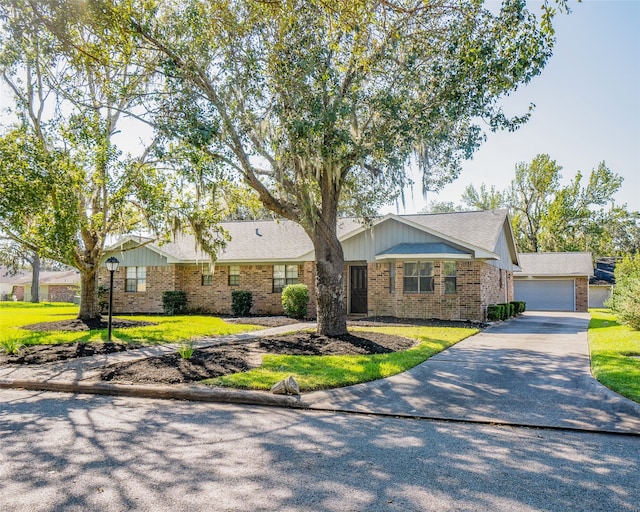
(320, 106)
(549, 216)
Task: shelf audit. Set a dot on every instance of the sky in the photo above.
(587, 108)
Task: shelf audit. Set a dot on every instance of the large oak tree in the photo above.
(319, 104)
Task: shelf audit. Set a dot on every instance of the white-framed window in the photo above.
(418, 277)
(450, 276)
(234, 275)
(284, 275)
(136, 279)
(207, 279)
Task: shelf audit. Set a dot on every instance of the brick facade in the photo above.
(477, 286)
(582, 294)
(61, 293)
(214, 298)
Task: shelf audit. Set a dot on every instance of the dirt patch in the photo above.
(372, 321)
(40, 354)
(222, 360)
(77, 325)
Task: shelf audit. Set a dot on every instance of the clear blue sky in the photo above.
(587, 107)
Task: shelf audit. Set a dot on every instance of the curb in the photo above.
(191, 393)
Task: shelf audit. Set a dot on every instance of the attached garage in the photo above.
(546, 294)
(553, 281)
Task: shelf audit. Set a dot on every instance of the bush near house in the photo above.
(295, 299)
(174, 303)
(520, 306)
(241, 302)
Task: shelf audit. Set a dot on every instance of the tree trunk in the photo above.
(35, 278)
(89, 309)
(330, 299)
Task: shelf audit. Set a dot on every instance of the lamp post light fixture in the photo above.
(112, 265)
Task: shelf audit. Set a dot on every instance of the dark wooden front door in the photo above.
(358, 289)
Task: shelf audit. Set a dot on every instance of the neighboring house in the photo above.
(11, 284)
(554, 281)
(446, 266)
(602, 281)
(55, 286)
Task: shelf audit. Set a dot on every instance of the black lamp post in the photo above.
(112, 265)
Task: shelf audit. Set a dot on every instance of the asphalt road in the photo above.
(62, 452)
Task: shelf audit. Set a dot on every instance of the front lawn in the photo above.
(324, 372)
(615, 354)
(169, 329)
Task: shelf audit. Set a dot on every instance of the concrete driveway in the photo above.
(532, 370)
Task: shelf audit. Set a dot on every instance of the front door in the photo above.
(358, 287)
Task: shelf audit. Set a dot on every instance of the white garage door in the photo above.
(546, 295)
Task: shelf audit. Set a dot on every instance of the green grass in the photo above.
(613, 347)
(170, 329)
(323, 372)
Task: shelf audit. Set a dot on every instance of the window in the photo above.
(392, 277)
(207, 279)
(136, 279)
(450, 270)
(284, 275)
(418, 277)
(234, 275)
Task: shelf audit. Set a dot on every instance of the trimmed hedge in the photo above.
(504, 310)
(174, 303)
(295, 299)
(241, 302)
(520, 306)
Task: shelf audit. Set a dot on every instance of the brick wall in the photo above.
(496, 285)
(582, 294)
(62, 293)
(159, 280)
(465, 304)
(258, 279)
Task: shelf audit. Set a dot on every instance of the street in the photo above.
(62, 452)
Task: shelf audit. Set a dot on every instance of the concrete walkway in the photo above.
(533, 370)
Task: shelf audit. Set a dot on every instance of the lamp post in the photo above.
(112, 265)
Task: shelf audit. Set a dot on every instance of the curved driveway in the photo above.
(533, 370)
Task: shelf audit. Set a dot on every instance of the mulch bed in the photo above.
(77, 325)
(40, 354)
(222, 360)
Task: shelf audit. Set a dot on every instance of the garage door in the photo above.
(550, 295)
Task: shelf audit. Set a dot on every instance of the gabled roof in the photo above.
(251, 241)
(47, 277)
(284, 240)
(555, 264)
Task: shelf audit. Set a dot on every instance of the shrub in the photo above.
(625, 299)
(506, 310)
(519, 306)
(295, 299)
(174, 303)
(241, 302)
(495, 312)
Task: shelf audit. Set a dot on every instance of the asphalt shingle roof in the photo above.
(556, 264)
(271, 240)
